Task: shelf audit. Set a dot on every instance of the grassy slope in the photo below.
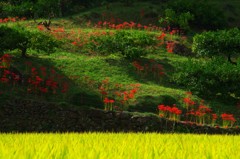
(118, 69)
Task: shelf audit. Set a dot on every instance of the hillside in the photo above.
(96, 60)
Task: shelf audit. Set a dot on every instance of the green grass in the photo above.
(109, 145)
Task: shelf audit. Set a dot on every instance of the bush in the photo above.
(224, 42)
(17, 37)
(43, 42)
(13, 38)
(175, 20)
(131, 44)
(215, 77)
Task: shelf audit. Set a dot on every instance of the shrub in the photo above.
(43, 42)
(17, 37)
(131, 44)
(175, 20)
(13, 38)
(224, 42)
(215, 77)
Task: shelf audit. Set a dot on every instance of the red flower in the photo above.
(106, 100)
(214, 116)
(74, 43)
(162, 107)
(43, 90)
(40, 27)
(111, 101)
(228, 117)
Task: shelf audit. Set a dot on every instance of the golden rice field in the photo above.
(118, 146)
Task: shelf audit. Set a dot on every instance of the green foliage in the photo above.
(13, 38)
(215, 77)
(17, 37)
(23, 9)
(205, 15)
(173, 19)
(131, 44)
(224, 42)
(43, 42)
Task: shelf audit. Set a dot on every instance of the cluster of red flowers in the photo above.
(228, 119)
(170, 46)
(108, 104)
(173, 113)
(5, 61)
(12, 19)
(124, 25)
(151, 68)
(201, 115)
(6, 75)
(187, 101)
(9, 76)
(117, 94)
(40, 83)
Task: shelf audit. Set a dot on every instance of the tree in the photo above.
(22, 39)
(218, 43)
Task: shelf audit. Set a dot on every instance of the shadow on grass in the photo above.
(78, 94)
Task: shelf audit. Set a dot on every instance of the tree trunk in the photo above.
(59, 8)
(24, 52)
(230, 60)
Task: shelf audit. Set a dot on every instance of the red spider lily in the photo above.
(161, 37)
(5, 61)
(118, 94)
(53, 71)
(40, 27)
(108, 103)
(111, 101)
(125, 96)
(43, 90)
(4, 79)
(204, 109)
(54, 85)
(6, 72)
(172, 113)
(170, 46)
(106, 100)
(131, 95)
(104, 93)
(162, 107)
(74, 43)
(48, 82)
(43, 71)
(228, 119)
(188, 102)
(15, 77)
(139, 26)
(214, 116)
